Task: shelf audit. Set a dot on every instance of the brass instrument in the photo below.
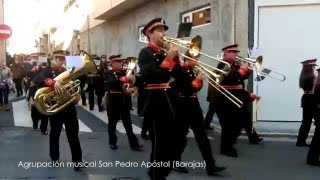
(261, 71)
(48, 102)
(131, 63)
(213, 75)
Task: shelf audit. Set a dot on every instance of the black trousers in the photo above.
(314, 151)
(36, 117)
(231, 120)
(160, 116)
(189, 114)
(146, 123)
(118, 107)
(69, 118)
(100, 94)
(141, 110)
(91, 95)
(210, 113)
(18, 83)
(308, 111)
(83, 93)
(247, 125)
(140, 99)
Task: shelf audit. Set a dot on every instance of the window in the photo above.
(142, 37)
(197, 17)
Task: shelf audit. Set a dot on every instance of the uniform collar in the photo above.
(186, 67)
(154, 47)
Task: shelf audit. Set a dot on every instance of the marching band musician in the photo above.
(139, 84)
(83, 80)
(37, 76)
(157, 67)
(102, 68)
(306, 83)
(188, 113)
(119, 103)
(91, 81)
(231, 117)
(314, 151)
(68, 117)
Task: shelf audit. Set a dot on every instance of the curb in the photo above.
(217, 128)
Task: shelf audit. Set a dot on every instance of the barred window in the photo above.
(142, 37)
(198, 17)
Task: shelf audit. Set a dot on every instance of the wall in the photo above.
(276, 37)
(229, 24)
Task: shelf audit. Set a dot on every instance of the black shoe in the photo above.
(213, 170)
(314, 163)
(144, 136)
(84, 104)
(35, 126)
(91, 108)
(101, 109)
(302, 145)
(80, 165)
(77, 169)
(181, 169)
(137, 148)
(257, 141)
(113, 146)
(44, 132)
(230, 153)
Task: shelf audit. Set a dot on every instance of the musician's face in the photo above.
(231, 55)
(157, 36)
(60, 62)
(116, 64)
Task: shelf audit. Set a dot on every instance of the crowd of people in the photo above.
(13, 74)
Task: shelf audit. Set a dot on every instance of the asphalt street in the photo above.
(24, 153)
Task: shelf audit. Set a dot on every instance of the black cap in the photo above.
(232, 47)
(115, 57)
(157, 22)
(309, 62)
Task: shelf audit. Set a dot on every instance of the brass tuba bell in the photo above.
(49, 103)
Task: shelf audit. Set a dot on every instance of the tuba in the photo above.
(48, 102)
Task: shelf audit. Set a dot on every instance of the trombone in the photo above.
(262, 72)
(193, 48)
